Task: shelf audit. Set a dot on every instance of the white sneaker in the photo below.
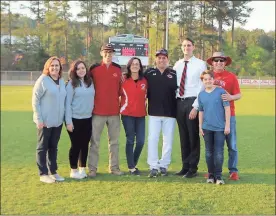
(46, 179)
(220, 181)
(75, 174)
(57, 177)
(82, 172)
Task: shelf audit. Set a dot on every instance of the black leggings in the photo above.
(80, 138)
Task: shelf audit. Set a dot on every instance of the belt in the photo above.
(187, 98)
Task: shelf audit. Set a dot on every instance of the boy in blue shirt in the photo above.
(214, 124)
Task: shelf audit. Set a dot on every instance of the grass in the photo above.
(22, 193)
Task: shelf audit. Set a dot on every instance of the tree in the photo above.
(221, 14)
(266, 42)
(239, 13)
(8, 21)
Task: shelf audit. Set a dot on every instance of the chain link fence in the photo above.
(29, 78)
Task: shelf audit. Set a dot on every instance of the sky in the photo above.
(262, 16)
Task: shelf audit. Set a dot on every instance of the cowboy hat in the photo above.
(219, 55)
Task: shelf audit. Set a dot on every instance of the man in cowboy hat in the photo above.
(229, 82)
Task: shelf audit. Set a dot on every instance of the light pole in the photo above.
(167, 25)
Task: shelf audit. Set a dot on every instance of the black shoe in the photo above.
(190, 174)
(181, 172)
(163, 171)
(153, 173)
(136, 172)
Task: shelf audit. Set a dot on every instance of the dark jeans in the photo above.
(189, 135)
(134, 127)
(214, 149)
(46, 150)
(80, 138)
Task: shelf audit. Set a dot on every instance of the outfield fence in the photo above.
(29, 78)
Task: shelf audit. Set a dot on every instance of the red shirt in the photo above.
(229, 82)
(107, 88)
(133, 97)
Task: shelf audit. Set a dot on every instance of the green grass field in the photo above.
(23, 193)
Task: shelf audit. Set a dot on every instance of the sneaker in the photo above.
(190, 174)
(136, 172)
(75, 174)
(92, 173)
(211, 179)
(57, 177)
(116, 172)
(219, 181)
(153, 173)
(82, 172)
(234, 176)
(163, 171)
(46, 179)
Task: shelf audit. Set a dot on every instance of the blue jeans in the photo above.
(214, 149)
(134, 127)
(231, 140)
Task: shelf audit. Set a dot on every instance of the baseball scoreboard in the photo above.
(127, 46)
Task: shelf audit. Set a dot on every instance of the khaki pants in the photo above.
(113, 127)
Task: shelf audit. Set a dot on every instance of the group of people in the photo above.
(201, 101)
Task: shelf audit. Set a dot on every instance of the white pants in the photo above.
(156, 123)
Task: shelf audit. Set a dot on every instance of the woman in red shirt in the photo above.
(133, 111)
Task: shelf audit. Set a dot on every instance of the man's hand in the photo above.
(193, 114)
(226, 97)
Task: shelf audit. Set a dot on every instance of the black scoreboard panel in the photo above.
(130, 49)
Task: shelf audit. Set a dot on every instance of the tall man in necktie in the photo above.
(188, 72)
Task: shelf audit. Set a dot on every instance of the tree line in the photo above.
(54, 32)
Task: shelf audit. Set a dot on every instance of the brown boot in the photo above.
(92, 173)
(116, 172)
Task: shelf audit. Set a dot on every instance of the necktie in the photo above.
(182, 82)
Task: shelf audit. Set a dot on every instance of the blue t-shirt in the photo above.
(212, 107)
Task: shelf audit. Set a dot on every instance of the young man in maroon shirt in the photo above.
(107, 80)
(229, 82)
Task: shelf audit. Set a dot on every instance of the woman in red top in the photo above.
(133, 111)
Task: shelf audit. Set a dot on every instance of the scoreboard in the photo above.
(127, 46)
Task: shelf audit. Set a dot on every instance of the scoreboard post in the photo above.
(127, 46)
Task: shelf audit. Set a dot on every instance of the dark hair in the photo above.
(211, 73)
(128, 73)
(189, 39)
(74, 77)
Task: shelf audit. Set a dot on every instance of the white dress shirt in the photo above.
(193, 83)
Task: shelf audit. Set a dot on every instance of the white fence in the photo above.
(260, 82)
(29, 78)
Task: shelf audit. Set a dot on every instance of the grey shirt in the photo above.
(79, 102)
(48, 101)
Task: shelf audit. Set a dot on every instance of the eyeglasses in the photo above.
(219, 60)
